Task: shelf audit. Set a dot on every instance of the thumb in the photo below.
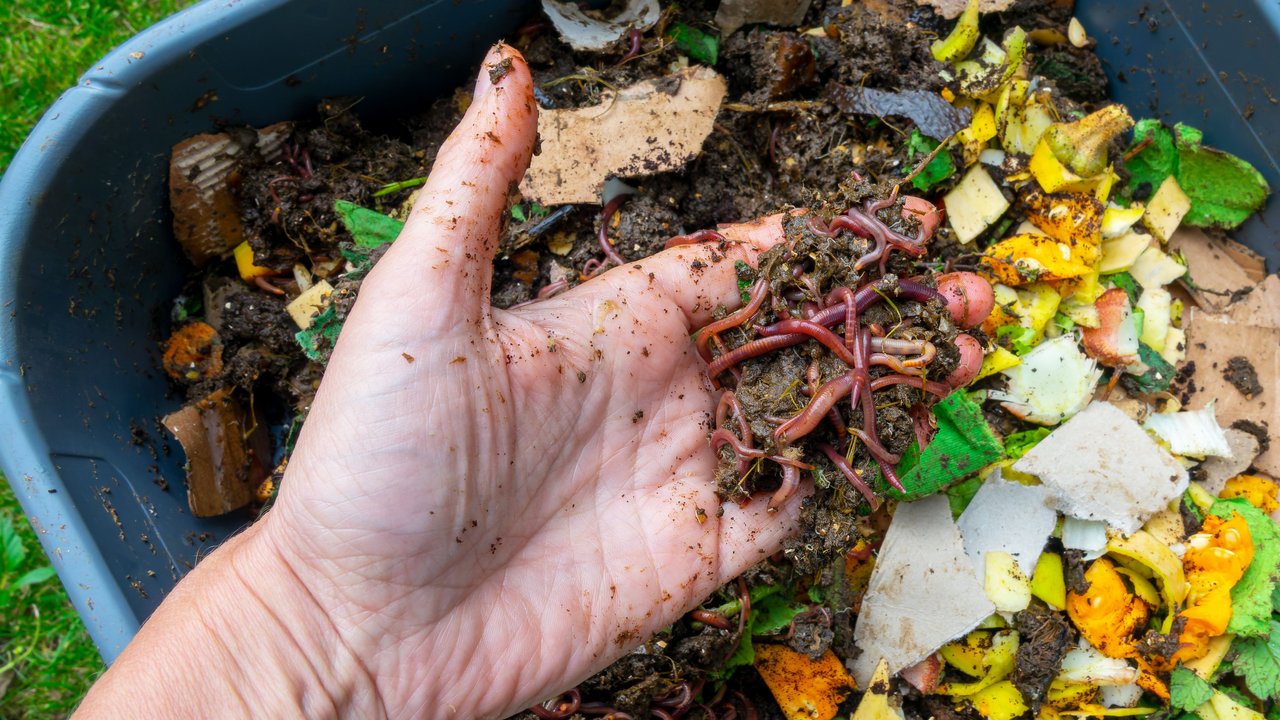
(444, 256)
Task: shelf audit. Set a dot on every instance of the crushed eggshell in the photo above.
(585, 32)
(806, 689)
(653, 126)
(1101, 465)
(924, 591)
(1214, 472)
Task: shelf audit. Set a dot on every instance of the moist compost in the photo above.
(845, 308)
(1241, 374)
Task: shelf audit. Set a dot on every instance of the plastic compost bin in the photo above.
(89, 267)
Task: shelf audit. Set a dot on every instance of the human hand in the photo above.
(485, 506)
(491, 505)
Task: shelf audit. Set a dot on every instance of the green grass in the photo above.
(47, 661)
(45, 46)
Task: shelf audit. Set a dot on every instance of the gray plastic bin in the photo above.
(88, 267)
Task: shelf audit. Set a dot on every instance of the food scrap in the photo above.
(1005, 357)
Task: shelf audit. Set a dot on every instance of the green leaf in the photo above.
(1251, 597)
(961, 494)
(939, 169)
(33, 577)
(369, 229)
(319, 340)
(537, 211)
(517, 212)
(1017, 444)
(1125, 281)
(744, 279)
(1020, 339)
(815, 594)
(963, 445)
(1187, 690)
(1258, 662)
(1224, 190)
(773, 614)
(698, 45)
(12, 552)
(1158, 159)
(1157, 378)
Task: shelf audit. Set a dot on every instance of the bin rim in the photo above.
(25, 455)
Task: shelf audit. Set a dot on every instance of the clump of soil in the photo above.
(1241, 374)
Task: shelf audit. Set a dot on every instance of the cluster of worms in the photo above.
(788, 307)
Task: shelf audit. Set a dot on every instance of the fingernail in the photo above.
(492, 69)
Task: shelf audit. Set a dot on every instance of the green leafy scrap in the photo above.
(698, 45)
(318, 340)
(1251, 603)
(1257, 661)
(1018, 338)
(745, 653)
(1224, 190)
(370, 229)
(744, 273)
(1020, 443)
(1158, 376)
(1157, 160)
(774, 614)
(961, 494)
(1187, 690)
(939, 169)
(963, 445)
(1125, 281)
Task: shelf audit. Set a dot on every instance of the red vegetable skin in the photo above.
(916, 208)
(969, 297)
(970, 361)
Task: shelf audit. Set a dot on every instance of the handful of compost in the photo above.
(840, 348)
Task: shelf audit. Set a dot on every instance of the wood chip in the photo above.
(223, 467)
(206, 219)
(650, 127)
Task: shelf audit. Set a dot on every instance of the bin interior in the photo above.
(90, 267)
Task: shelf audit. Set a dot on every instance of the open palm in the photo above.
(491, 505)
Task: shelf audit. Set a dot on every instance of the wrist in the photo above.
(240, 636)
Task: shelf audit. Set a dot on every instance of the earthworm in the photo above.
(850, 474)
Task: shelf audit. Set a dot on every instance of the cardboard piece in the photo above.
(951, 9)
(733, 14)
(1101, 465)
(1250, 328)
(650, 127)
(1214, 270)
(923, 593)
(1214, 472)
(1009, 517)
(226, 450)
(206, 220)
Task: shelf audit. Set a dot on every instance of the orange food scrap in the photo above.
(193, 352)
(1259, 491)
(1107, 614)
(805, 689)
(1215, 560)
(1027, 258)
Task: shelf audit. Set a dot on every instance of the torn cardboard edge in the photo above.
(651, 127)
(227, 450)
(206, 218)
